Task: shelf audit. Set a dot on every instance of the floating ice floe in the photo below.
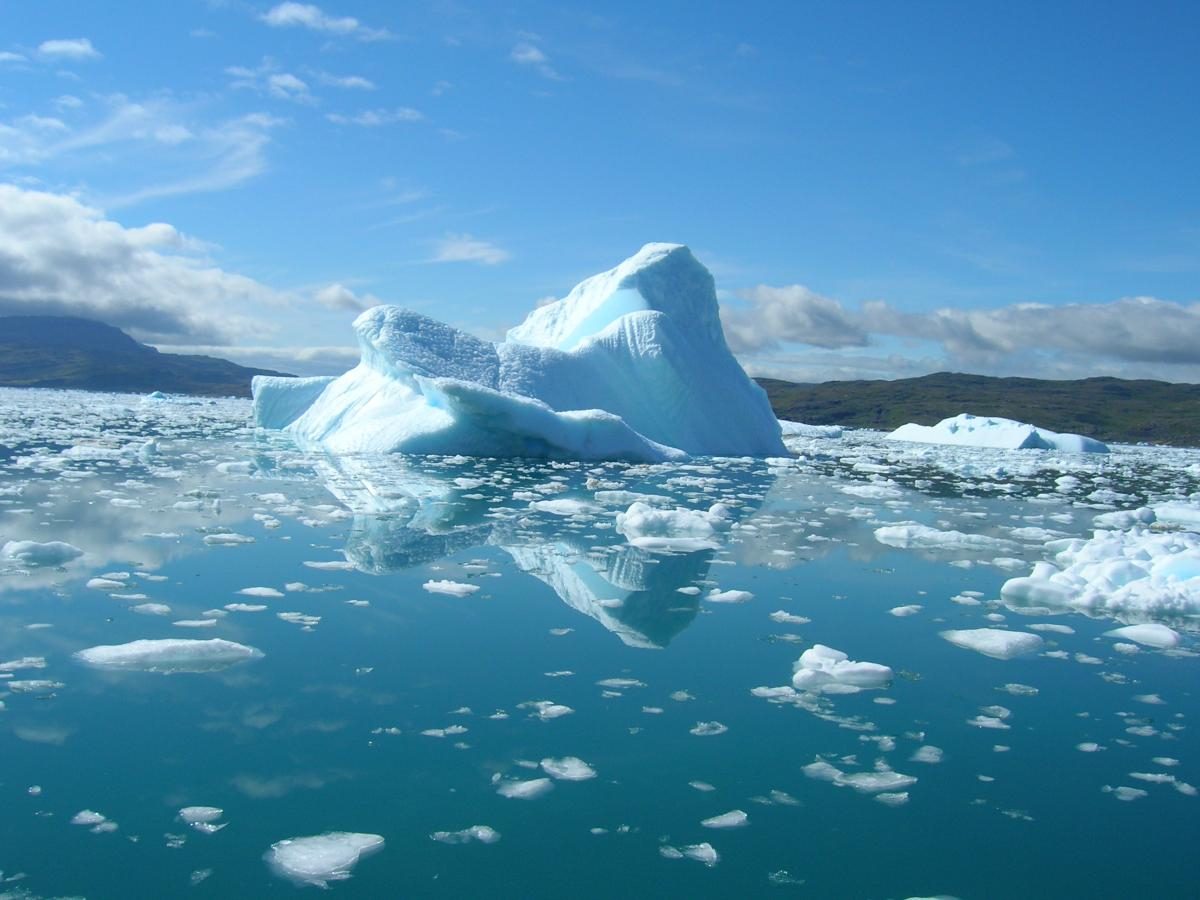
(168, 655)
(484, 834)
(826, 670)
(33, 553)
(704, 853)
(863, 782)
(735, 818)
(994, 642)
(632, 364)
(1132, 573)
(323, 858)
(922, 537)
(966, 430)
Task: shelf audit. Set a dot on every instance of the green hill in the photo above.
(67, 352)
(1110, 409)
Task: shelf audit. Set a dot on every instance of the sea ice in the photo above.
(966, 430)
(453, 588)
(323, 858)
(168, 655)
(1149, 635)
(994, 642)
(485, 834)
(524, 790)
(632, 364)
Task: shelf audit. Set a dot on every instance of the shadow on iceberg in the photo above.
(413, 511)
(631, 365)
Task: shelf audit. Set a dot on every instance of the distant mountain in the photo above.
(66, 352)
(1110, 409)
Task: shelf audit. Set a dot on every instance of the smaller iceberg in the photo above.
(631, 365)
(995, 433)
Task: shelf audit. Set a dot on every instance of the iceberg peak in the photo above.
(631, 364)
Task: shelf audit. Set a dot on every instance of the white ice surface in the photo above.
(168, 655)
(994, 642)
(819, 668)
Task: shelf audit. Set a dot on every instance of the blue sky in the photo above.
(880, 189)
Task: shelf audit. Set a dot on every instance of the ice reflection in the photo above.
(412, 512)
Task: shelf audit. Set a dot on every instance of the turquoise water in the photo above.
(324, 732)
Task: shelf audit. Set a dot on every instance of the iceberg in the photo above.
(995, 433)
(632, 364)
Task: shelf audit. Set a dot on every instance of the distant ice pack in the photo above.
(966, 430)
(631, 364)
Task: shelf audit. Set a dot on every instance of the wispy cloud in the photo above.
(465, 248)
(269, 80)
(312, 17)
(374, 118)
(68, 49)
(349, 82)
(529, 54)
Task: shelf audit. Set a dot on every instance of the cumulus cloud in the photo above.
(1134, 336)
(464, 248)
(68, 49)
(267, 79)
(374, 118)
(61, 257)
(312, 17)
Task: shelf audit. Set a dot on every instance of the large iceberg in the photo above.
(966, 430)
(631, 364)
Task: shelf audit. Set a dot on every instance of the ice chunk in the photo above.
(169, 655)
(995, 642)
(323, 858)
(453, 588)
(966, 430)
(632, 364)
(912, 535)
(821, 667)
(735, 818)
(32, 553)
(799, 429)
(678, 529)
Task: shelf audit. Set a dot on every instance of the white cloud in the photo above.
(312, 17)
(790, 314)
(266, 78)
(374, 118)
(349, 82)
(69, 49)
(464, 248)
(338, 296)
(527, 54)
(1129, 337)
(7, 56)
(61, 257)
